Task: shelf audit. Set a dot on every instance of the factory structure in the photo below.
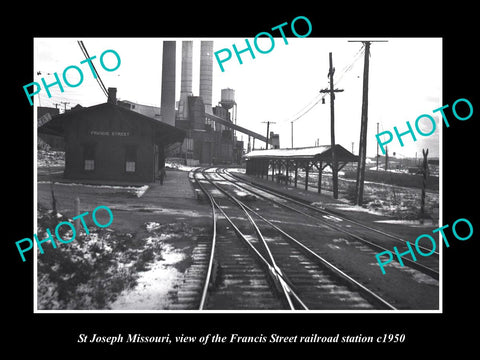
(206, 142)
(211, 131)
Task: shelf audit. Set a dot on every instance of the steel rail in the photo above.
(323, 211)
(284, 283)
(275, 271)
(214, 239)
(357, 285)
(277, 276)
(425, 269)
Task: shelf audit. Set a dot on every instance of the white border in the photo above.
(440, 294)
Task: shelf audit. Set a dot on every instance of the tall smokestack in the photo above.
(206, 74)
(186, 85)
(186, 82)
(168, 83)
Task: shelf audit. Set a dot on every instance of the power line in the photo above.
(349, 67)
(310, 108)
(87, 56)
(319, 98)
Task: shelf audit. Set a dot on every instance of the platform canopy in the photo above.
(284, 162)
(321, 153)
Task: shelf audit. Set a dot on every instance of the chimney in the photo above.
(186, 84)
(206, 76)
(168, 83)
(186, 81)
(112, 96)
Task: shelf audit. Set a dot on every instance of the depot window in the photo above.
(130, 158)
(89, 157)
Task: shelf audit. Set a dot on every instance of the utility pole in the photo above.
(65, 105)
(424, 185)
(268, 130)
(292, 132)
(386, 158)
(377, 147)
(332, 92)
(362, 152)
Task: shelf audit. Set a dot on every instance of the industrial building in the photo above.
(210, 130)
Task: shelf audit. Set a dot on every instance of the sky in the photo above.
(405, 81)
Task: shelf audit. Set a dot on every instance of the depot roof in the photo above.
(316, 153)
(163, 132)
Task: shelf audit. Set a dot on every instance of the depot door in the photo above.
(156, 157)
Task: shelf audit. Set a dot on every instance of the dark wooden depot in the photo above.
(110, 142)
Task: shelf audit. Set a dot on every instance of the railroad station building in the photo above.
(285, 163)
(110, 142)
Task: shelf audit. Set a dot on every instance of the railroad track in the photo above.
(236, 277)
(255, 265)
(378, 240)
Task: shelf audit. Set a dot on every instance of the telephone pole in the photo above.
(424, 185)
(362, 152)
(332, 92)
(377, 147)
(268, 131)
(65, 105)
(386, 158)
(292, 133)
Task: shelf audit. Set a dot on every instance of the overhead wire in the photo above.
(304, 109)
(310, 108)
(87, 56)
(58, 96)
(349, 67)
(299, 114)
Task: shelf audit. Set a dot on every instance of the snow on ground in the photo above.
(178, 166)
(112, 270)
(150, 226)
(403, 206)
(413, 223)
(49, 158)
(153, 285)
(416, 275)
(182, 214)
(348, 207)
(238, 170)
(137, 190)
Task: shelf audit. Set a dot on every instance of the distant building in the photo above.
(42, 110)
(208, 142)
(275, 140)
(48, 141)
(147, 110)
(109, 142)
